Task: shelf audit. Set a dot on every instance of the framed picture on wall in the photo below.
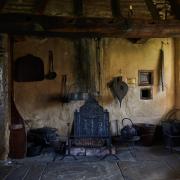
(145, 77)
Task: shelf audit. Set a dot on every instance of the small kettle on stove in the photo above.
(128, 131)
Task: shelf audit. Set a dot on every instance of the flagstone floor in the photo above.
(147, 163)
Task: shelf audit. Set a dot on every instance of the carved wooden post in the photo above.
(4, 96)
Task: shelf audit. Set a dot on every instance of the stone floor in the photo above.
(147, 163)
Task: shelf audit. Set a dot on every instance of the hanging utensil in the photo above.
(98, 63)
(64, 98)
(51, 74)
(161, 68)
(118, 88)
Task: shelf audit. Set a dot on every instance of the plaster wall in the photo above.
(123, 57)
(36, 100)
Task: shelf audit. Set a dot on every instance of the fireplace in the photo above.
(90, 127)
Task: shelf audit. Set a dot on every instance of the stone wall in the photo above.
(1, 70)
(4, 98)
(38, 103)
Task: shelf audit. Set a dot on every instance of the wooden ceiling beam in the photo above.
(40, 6)
(52, 22)
(78, 7)
(115, 8)
(153, 10)
(175, 7)
(85, 27)
(2, 4)
(137, 31)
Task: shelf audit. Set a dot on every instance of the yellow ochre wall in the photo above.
(118, 57)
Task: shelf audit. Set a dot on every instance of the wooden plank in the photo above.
(99, 8)
(152, 8)
(24, 4)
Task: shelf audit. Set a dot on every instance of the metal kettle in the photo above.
(128, 131)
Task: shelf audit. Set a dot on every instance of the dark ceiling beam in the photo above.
(115, 8)
(175, 7)
(54, 22)
(2, 4)
(153, 10)
(136, 31)
(78, 7)
(25, 24)
(40, 6)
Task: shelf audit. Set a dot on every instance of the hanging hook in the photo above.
(162, 44)
(130, 12)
